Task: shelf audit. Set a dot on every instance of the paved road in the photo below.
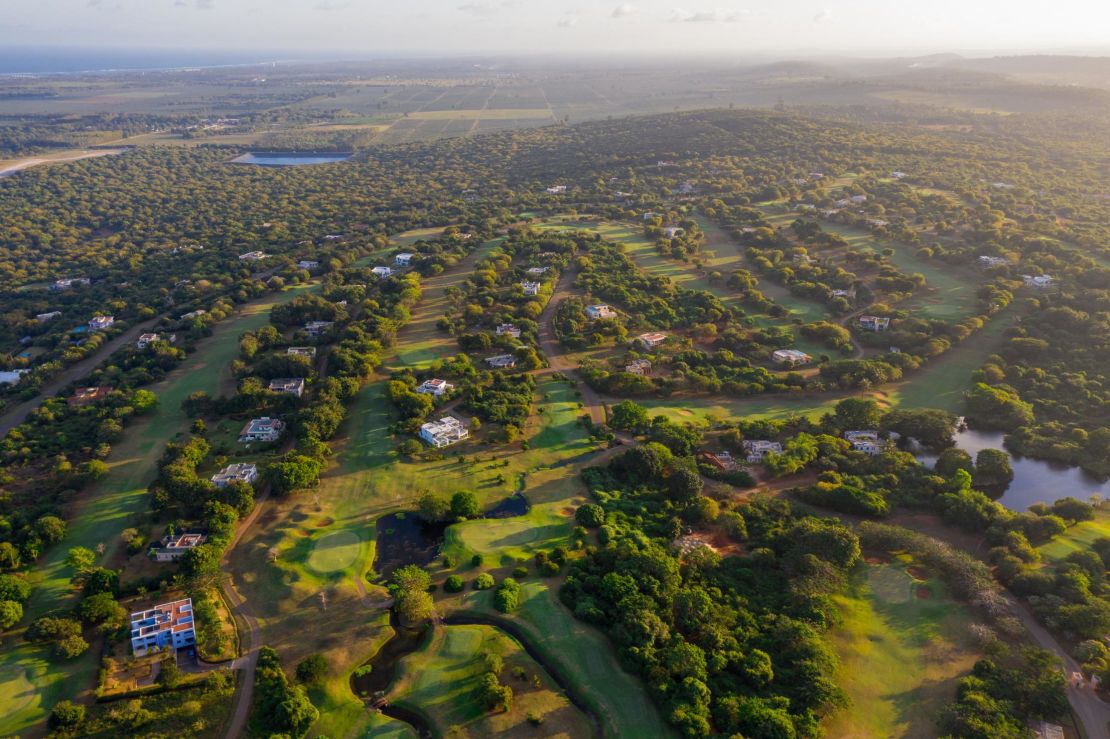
(16, 414)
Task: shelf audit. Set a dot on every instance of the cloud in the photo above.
(569, 20)
(715, 15)
(823, 16)
(487, 7)
(625, 10)
(327, 5)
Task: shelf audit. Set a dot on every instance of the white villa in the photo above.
(309, 264)
(444, 432)
(756, 449)
(1039, 282)
(247, 473)
(11, 377)
(874, 323)
(382, 272)
(868, 441)
(600, 311)
(44, 317)
(403, 259)
(556, 189)
(175, 547)
(671, 232)
(146, 340)
(165, 625)
(99, 323)
(638, 367)
(434, 387)
(530, 288)
(261, 429)
(288, 386)
(301, 351)
(507, 329)
(986, 262)
(501, 361)
(70, 282)
(316, 328)
(537, 270)
(652, 339)
(253, 256)
(791, 357)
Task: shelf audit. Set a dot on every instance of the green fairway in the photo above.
(441, 678)
(903, 644)
(334, 551)
(1078, 538)
(510, 540)
(584, 656)
(107, 507)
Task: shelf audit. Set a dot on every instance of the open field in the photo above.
(902, 644)
(111, 505)
(441, 678)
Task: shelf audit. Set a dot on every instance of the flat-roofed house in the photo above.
(301, 351)
(288, 386)
(501, 361)
(44, 317)
(175, 547)
(308, 264)
(868, 441)
(165, 625)
(240, 472)
(11, 377)
(403, 259)
(756, 449)
(100, 323)
(600, 311)
(638, 367)
(434, 387)
(537, 270)
(253, 256)
(556, 189)
(874, 323)
(1039, 281)
(651, 339)
(264, 429)
(382, 271)
(444, 432)
(318, 328)
(507, 329)
(790, 357)
(530, 288)
(671, 232)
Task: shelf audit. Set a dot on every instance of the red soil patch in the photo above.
(325, 522)
(567, 511)
(923, 592)
(917, 572)
(877, 559)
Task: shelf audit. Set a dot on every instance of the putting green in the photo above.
(334, 551)
(890, 584)
(16, 691)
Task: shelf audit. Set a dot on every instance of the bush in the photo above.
(521, 571)
(590, 515)
(483, 581)
(507, 597)
(66, 715)
(453, 584)
(312, 669)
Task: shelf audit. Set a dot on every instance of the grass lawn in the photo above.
(1078, 538)
(903, 644)
(441, 678)
(108, 507)
(582, 654)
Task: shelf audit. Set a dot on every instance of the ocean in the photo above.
(57, 60)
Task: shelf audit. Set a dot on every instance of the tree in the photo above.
(684, 486)
(169, 674)
(312, 669)
(14, 587)
(9, 555)
(992, 468)
(464, 504)
(484, 581)
(953, 459)
(492, 695)
(997, 407)
(432, 507)
(50, 529)
(103, 610)
(11, 612)
(590, 515)
(412, 600)
(66, 715)
(628, 416)
(80, 560)
(507, 597)
(856, 414)
(453, 584)
(292, 472)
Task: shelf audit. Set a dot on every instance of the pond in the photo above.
(291, 158)
(1035, 480)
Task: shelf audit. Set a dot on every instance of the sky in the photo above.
(480, 27)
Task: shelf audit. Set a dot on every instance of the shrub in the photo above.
(483, 581)
(507, 597)
(453, 584)
(312, 669)
(66, 715)
(521, 571)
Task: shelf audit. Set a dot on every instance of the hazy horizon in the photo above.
(358, 29)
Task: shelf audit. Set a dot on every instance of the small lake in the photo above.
(1035, 480)
(291, 159)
